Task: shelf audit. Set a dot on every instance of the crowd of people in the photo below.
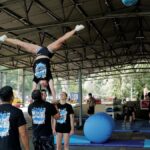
(47, 119)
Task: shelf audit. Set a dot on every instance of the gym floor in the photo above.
(115, 136)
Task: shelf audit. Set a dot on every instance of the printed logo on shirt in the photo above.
(63, 116)
(4, 124)
(38, 115)
(40, 70)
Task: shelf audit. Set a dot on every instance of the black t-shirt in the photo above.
(41, 113)
(41, 67)
(63, 124)
(41, 70)
(10, 119)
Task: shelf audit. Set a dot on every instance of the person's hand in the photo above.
(57, 116)
(71, 132)
(79, 27)
(54, 132)
(55, 101)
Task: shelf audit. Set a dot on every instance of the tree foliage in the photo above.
(120, 86)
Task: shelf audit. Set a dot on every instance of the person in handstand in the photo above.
(41, 66)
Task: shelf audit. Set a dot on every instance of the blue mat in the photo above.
(146, 143)
(77, 140)
(123, 143)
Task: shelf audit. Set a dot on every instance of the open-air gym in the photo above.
(74, 74)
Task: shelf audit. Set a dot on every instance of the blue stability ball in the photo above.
(129, 2)
(98, 128)
(108, 117)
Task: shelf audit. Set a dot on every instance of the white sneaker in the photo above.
(3, 38)
(79, 27)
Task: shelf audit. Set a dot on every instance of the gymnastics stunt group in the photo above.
(48, 119)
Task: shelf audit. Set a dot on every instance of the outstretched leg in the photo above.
(29, 47)
(58, 43)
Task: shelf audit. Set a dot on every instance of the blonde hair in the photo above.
(65, 94)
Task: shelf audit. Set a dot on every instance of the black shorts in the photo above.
(45, 52)
(41, 70)
(61, 128)
(44, 143)
(91, 110)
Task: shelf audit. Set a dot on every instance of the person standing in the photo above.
(12, 123)
(145, 91)
(41, 66)
(64, 126)
(91, 101)
(41, 113)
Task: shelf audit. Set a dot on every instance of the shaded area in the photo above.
(116, 39)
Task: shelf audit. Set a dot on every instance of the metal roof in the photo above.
(116, 39)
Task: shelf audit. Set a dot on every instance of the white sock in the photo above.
(79, 27)
(3, 38)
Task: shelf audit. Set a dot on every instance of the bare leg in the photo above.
(53, 47)
(32, 48)
(58, 43)
(66, 141)
(51, 85)
(58, 141)
(133, 116)
(130, 119)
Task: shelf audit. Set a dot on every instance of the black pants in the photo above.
(43, 143)
(91, 110)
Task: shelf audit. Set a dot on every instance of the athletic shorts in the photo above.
(44, 143)
(45, 52)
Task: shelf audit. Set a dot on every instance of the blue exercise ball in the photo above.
(98, 128)
(108, 117)
(129, 2)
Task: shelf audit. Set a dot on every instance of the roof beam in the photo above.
(86, 19)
